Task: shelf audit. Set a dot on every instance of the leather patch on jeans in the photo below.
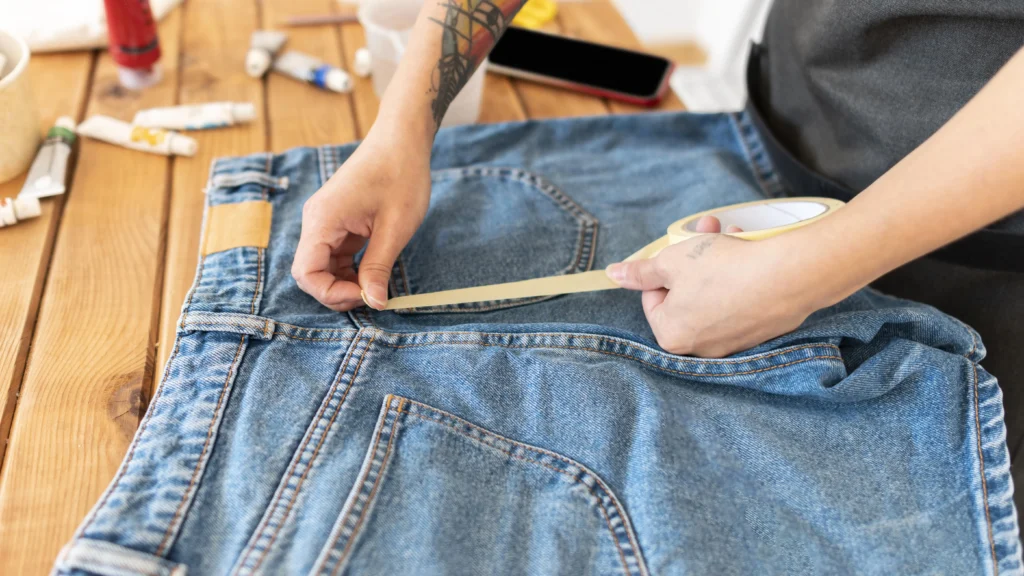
(235, 225)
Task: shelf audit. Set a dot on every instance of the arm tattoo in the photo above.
(470, 29)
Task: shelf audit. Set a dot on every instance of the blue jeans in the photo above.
(550, 435)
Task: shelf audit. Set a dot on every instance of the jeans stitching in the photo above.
(373, 491)
(206, 446)
(984, 480)
(295, 462)
(312, 458)
(487, 433)
(135, 442)
(586, 225)
(610, 353)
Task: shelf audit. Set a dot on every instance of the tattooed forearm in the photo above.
(470, 29)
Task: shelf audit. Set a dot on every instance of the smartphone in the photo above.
(587, 67)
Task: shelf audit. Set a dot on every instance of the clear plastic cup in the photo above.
(388, 24)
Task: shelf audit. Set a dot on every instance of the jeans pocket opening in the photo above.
(357, 511)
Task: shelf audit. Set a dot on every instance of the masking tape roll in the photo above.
(760, 219)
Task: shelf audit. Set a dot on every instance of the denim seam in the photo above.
(366, 505)
(981, 464)
(635, 549)
(316, 452)
(651, 364)
(587, 229)
(763, 171)
(244, 556)
(200, 462)
(135, 443)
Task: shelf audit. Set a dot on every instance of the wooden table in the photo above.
(90, 291)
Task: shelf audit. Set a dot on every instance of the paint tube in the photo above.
(308, 69)
(134, 44)
(137, 137)
(264, 45)
(14, 210)
(197, 117)
(47, 175)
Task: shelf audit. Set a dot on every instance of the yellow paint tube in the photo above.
(759, 220)
(124, 134)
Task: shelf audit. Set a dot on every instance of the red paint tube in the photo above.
(133, 42)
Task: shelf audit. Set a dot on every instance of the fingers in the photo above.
(711, 225)
(388, 238)
(311, 270)
(648, 274)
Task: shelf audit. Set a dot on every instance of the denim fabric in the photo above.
(550, 435)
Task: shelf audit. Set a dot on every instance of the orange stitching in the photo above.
(294, 463)
(192, 292)
(259, 280)
(316, 451)
(373, 491)
(702, 361)
(206, 445)
(136, 440)
(754, 168)
(600, 507)
(651, 364)
(984, 481)
(555, 455)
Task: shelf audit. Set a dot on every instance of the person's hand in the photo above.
(714, 295)
(380, 195)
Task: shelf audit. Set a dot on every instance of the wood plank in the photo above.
(364, 100)
(60, 83)
(301, 114)
(92, 353)
(542, 101)
(213, 70)
(600, 21)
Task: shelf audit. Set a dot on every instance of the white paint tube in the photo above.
(197, 117)
(264, 45)
(316, 72)
(124, 134)
(21, 208)
(47, 175)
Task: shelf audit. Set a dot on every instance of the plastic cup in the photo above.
(388, 24)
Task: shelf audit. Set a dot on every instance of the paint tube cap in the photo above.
(363, 63)
(243, 111)
(182, 145)
(257, 62)
(139, 78)
(26, 207)
(66, 122)
(338, 80)
(7, 215)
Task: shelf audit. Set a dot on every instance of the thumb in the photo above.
(386, 243)
(638, 274)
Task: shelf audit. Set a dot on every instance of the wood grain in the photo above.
(600, 21)
(92, 353)
(301, 114)
(215, 35)
(60, 83)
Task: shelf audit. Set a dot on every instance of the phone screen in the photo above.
(579, 62)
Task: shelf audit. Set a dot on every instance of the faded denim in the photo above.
(549, 436)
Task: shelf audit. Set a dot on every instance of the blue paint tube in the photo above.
(316, 72)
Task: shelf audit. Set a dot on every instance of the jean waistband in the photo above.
(990, 249)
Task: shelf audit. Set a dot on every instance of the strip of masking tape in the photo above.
(760, 219)
(235, 225)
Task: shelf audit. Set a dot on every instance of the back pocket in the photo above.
(493, 225)
(439, 495)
